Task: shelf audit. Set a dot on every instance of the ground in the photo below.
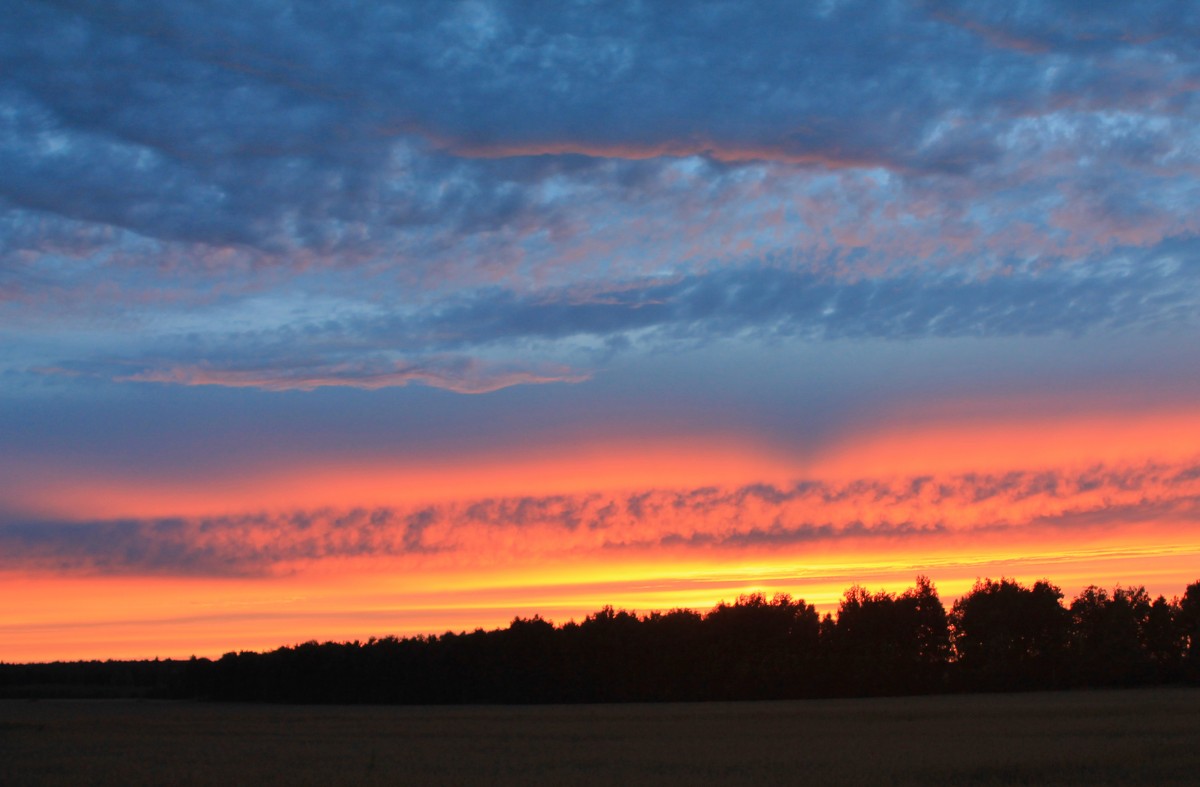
(1094, 737)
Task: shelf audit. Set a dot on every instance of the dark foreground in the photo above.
(1095, 737)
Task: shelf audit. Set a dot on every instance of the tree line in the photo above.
(1001, 636)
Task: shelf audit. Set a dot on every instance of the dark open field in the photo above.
(1118, 737)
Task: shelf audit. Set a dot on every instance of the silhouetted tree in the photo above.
(1109, 636)
(676, 641)
(930, 627)
(1163, 640)
(1188, 618)
(758, 648)
(611, 656)
(883, 644)
(1007, 636)
(864, 642)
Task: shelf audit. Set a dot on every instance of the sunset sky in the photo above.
(332, 320)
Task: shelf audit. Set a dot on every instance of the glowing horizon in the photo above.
(239, 571)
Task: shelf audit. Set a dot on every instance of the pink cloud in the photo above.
(467, 377)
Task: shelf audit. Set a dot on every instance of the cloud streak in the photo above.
(494, 338)
(459, 375)
(1024, 506)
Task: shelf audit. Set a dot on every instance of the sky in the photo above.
(330, 320)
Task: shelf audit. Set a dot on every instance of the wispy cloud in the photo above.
(459, 375)
(494, 338)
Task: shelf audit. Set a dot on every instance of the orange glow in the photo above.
(341, 599)
(922, 446)
(950, 441)
(613, 466)
(1089, 499)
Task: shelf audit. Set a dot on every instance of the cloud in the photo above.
(766, 300)
(495, 338)
(1060, 25)
(486, 195)
(350, 134)
(459, 375)
(1025, 506)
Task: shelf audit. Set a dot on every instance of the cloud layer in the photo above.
(494, 338)
(1052, 505)
(477, 140)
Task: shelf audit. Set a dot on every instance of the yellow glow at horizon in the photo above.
(144, 617)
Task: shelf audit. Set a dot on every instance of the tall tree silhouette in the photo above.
(930, 628)
(1008, 636)
(1164, 640)
(1188, 618)
(882, 643)
(1109, 636)
(676, 641)
(612, 658)
(759, 648)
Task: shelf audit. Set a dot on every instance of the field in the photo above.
(1118, 737)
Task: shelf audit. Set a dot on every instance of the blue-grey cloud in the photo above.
(495, 338)
(771, 301)
(328, 127)
(1061, 25)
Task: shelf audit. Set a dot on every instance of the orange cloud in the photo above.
(880, 515)
(727, 151)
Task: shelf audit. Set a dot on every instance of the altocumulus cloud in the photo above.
(1023, 504)
(319, 127)
(592, 177)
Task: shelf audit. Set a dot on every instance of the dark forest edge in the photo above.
(1001, 636)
